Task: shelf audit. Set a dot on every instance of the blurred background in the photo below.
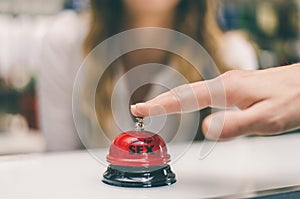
(273, 27)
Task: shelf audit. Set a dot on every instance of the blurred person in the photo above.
(62, 55)
(269, 102)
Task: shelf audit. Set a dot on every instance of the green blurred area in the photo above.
(274, 26)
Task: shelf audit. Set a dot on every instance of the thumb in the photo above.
(228, 124)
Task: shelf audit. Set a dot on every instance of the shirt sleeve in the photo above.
(60, 59)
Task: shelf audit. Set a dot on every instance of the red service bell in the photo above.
(138, 159)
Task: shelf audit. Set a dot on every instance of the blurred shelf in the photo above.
(31, 6)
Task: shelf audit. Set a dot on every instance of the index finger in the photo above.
(185, 98)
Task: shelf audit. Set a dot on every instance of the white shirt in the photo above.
(60, 60)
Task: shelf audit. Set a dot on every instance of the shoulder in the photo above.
(67, 29)
(237, 51)
(61, 51)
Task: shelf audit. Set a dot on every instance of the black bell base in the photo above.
(145, 177)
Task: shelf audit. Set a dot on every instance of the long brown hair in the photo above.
(195, 18)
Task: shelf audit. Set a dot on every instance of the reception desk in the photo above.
(243, 167)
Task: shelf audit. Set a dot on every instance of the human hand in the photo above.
(269, 102)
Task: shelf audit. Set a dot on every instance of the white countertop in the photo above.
(242, 165)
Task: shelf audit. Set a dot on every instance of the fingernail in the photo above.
(136, 107)
(133, 109)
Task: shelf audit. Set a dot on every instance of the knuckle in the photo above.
(231, 75)
(276, 125)
(234, 81)
(231, 80)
